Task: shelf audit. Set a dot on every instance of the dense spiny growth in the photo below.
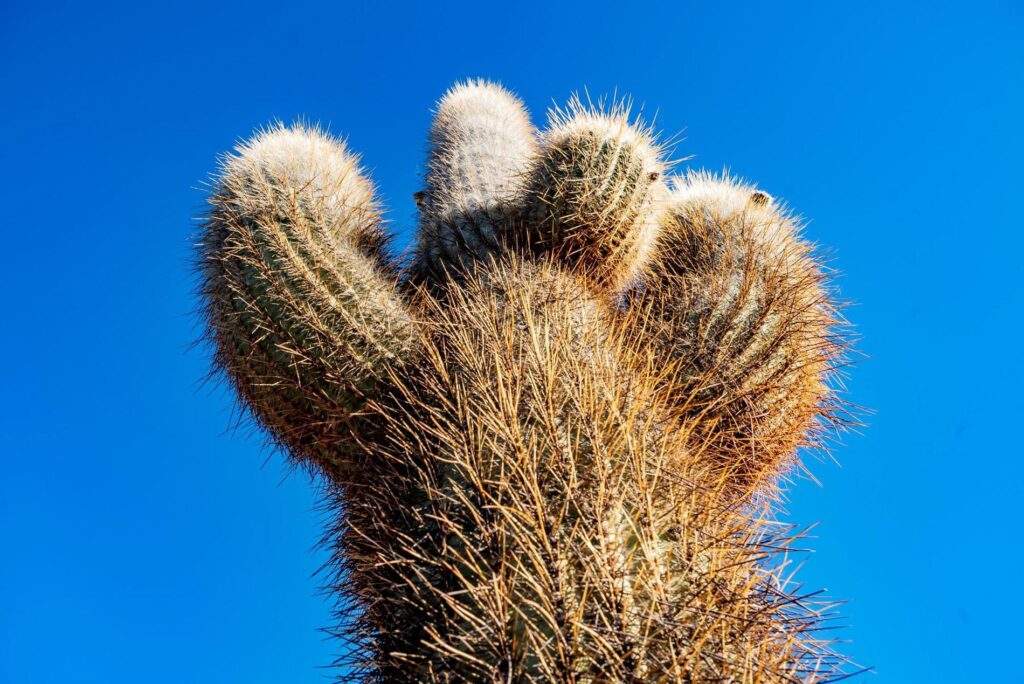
(593, 198)
(304, 312)
(549, 437)
(739, 301)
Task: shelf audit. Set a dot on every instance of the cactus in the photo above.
(595, 192)
(550, 440)
(482, 146)
(305, 315)
(741, 303)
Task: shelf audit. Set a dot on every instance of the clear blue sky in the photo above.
(143, 541)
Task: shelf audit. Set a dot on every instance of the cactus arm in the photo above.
(594, 195)
(481, 147)
(741, 303)
(304, 317)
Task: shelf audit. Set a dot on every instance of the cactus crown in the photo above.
(553, 435)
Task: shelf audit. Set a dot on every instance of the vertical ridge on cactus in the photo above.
(481, 147)
(545, 439)
(743, 306)
(303, 313)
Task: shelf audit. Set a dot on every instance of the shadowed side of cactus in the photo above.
(530, 518)
(594, 194)
(743, 307)
(482, 145)
(300, 303)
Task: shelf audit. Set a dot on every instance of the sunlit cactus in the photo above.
(595, 193)
(482, 146)
(550, 440)
(740, 302)
(299, 298)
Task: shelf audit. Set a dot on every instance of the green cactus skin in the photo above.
(742, 305)
(594, 194)
(305, 316)
(549, 467)
(482, 146)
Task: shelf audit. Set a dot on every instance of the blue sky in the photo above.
(142, 539)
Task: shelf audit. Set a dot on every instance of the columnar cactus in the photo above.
(482, 145)
(550, 441)
(594, 196)
(740, 302)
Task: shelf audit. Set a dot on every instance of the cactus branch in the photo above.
(481, 146)
(305, 317)
(595, 192)
(742, 305)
